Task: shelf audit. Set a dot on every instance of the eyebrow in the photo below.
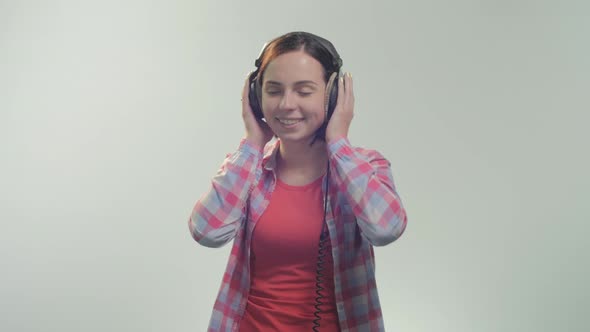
(296, 83)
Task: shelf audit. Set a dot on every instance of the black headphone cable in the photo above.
(324, 236)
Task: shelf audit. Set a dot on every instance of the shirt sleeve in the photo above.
(365, 178)
(218, 214)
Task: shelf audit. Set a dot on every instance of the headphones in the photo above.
(331, 97)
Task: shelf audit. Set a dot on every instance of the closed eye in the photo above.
(273, 92)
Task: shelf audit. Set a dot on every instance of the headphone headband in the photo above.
(258, 60)
(336, 60)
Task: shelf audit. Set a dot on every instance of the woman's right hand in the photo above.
(257, 131)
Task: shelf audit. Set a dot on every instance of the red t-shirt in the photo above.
(283, 264)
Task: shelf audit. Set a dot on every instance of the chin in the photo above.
(304, 134)
(296, 138)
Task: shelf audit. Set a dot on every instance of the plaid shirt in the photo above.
(364, 210)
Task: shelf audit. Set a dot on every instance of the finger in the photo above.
(349, 88)
(246, 90)
(346, 96)
(340, 100)
(246, 109)
(348, 83)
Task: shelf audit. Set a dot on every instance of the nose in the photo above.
(287, 100)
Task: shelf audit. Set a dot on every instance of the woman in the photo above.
(303, 207)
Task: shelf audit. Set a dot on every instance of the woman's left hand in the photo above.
(343, 112)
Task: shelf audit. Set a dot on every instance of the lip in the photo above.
(291, 125)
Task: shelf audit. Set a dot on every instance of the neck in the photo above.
(303, 158)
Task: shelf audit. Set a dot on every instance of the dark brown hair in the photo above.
(317, 47)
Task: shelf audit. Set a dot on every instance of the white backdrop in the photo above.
(114, 115)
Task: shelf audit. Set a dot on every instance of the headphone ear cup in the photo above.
(254, 95)
(333, 94)
(330, 99)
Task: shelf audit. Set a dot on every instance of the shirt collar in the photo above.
(269, 159)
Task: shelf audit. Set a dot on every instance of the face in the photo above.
(293, 92)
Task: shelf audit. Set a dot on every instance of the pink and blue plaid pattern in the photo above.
(364, 210)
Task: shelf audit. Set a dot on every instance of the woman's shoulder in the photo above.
(366, 152)
(344, 145)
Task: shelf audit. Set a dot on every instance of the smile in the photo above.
(289, 121)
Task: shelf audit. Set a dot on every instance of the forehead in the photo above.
(294, 66)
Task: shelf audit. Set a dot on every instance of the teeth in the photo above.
(288, 122)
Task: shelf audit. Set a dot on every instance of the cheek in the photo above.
(267, 104)
(316, 106)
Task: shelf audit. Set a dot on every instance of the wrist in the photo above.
(331, 140)
(255, 143)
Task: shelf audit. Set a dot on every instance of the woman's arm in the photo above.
(365, 177)
(218, 214)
